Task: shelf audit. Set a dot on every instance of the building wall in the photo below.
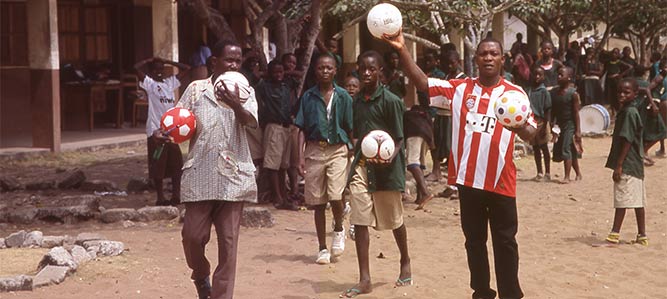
(15, 107)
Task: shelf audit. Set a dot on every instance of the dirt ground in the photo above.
(557, 226)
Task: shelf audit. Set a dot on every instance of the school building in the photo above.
(67, 65)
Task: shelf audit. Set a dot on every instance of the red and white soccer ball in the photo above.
(180, 123)
(512, 108)
(377, 145)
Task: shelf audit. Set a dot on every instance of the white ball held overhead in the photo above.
(377, 144)
(384, 18)
(231, 79)
(512, 108)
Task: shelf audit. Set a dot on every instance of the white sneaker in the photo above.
(352, 235)
(338, 243)
(323, 257)
(347, 209)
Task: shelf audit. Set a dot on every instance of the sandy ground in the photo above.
(557, 226)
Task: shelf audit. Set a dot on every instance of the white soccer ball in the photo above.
(512, 108)
(377, 144)
(384, 18)
(231, 79)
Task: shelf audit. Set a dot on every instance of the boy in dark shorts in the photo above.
(540, 103)
(164, 159)
(625, 158)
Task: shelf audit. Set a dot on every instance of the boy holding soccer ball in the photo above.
(164, 159)
(376, 184)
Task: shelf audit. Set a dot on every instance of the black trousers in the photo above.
(480, 208)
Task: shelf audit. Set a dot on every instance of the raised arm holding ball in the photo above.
(480, 162)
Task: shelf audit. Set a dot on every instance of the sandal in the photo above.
(648, 161)
(350, 293)
(642, 240)
(403, 282)
(613, 238)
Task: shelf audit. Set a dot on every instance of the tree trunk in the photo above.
(312, 32)
(214, 21)
(642, 58)
(280, 32)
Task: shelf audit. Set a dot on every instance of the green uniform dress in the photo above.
(382, 111)
(562, 106)
(611, 84)
(628, 127)
(540, 102)
(654, 127)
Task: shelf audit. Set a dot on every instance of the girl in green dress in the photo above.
(565, 113)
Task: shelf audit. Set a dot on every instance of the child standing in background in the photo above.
(540, 103)
(566, 104)
(625, 158)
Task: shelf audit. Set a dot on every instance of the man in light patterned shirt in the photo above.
(218, 174)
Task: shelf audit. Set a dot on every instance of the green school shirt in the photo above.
(540, 100)
(312, 116)
(382, 111)
(628, 128)
(274, 103)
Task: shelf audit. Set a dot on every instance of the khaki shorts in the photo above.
(416, 151)
(382, 210)
(277, 147)
(326, 172)
(629, 192)
(255, 142)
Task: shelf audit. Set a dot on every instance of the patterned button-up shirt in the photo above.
(218, 166)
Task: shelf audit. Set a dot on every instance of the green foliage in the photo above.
(296, 9)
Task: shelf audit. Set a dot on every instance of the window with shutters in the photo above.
(13, 34)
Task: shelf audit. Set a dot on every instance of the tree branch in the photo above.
(421, 40)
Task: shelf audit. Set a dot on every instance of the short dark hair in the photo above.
(374, 54)
(544, 42)
(323, 56)
(632, 81)
(490, 39)
(284, 57)
(273, 64)
(219, 47)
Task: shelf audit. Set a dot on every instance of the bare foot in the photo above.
(564, 181)
(424, 201)
(432, 177)
(364, 287)
(578, 178)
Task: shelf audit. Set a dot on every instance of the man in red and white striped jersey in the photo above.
(480, 164)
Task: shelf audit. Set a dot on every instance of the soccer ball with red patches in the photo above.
(179, 123)
(378, 145)
(512, 108)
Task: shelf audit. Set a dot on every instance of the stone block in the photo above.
(52, 241)
(10, 184)
(33, 239)
(137, 185)
(98, 185)
(72, 179)
(16, 239)
(83, 237)
(67, 214)
(115, 215)
(41, 185)
(156, 213)
(58, 256)
(79, 254)
(257, 217)
(16, 283)
(50, 275)
(22, 216)
(104, 247)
